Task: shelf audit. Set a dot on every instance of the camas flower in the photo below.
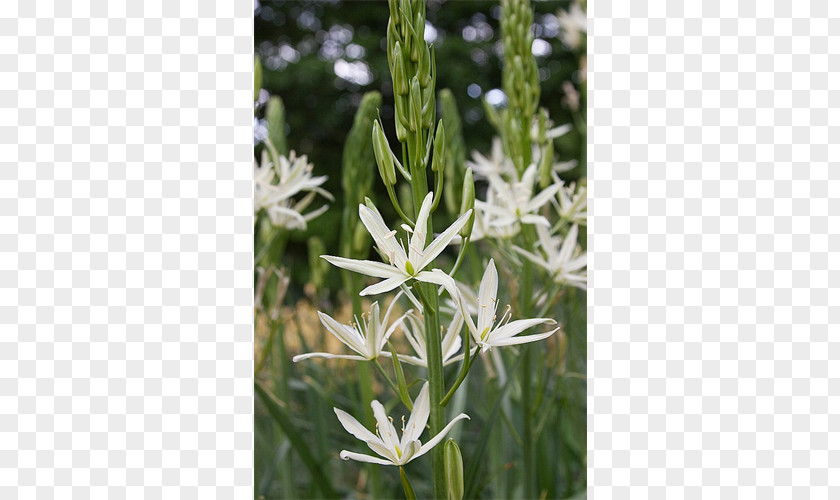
(367, 339)
(563, 263)
(276, 185)
(515, 201)
(489, 333)
(385, 443)
(450, 344)
(402, 267)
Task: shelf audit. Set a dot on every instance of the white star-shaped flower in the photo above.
(385, 443)
(367, 339)
(489, 333)
(402, 266)
(562, 260)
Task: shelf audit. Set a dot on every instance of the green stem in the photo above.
(525, 300)
(409, 491)
(465, 368)
(431, 316)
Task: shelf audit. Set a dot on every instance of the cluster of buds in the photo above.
(520, 80)
(412, 66)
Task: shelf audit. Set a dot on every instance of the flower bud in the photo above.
(439, 160)
(454, 466)
(468, 203)
(394, 10)
(257, 78)
(546, 162)
(400, 77)
(428, 106)
(382, 152)
(419, 31)
(424, 67)
(415, 106)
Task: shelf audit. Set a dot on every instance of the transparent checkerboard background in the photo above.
(125, 249)
(714, 244)
(125, 255)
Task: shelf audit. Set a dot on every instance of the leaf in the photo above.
(277, 410)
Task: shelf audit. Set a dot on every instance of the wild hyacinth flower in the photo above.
(572, 25)
(570, 204)
(368, 339)
(496, 163)
(416, 336)
(385, 443)
(402, 266)
(563, 260)
(515, 201)
(490, 333)
(275, 186)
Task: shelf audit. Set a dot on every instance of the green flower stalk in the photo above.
(275, 115)
(455, 150)
(520, 81)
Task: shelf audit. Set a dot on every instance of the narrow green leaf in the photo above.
(277, 410)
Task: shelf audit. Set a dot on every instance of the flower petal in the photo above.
(385, 238)
(353, 426)
(439, 244)
(366, 267)
(380, 449)
(514, 327)
(385, 285)
(435, 440)
(542, 198)
(417, 420)
(523, 339)
(384, 425)
(360, 457)
(348, 335)
(533, 258)
(418, 239)
(301, 357)
(487, 298)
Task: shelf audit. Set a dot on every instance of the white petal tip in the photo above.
(343, 455)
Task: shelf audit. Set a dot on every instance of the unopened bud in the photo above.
(257, 78)
(546, 163)
(415, 106)
(382, 152)
(454, 465)
(424, 67)
(468, 203)
(393, 8)
(428, 106)
(400, 77)
(439, 160)
(419, 31)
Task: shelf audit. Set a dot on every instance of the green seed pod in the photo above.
(454, 466)
(257, 78)
(468, 202)
(382, 152)
(439, 160)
